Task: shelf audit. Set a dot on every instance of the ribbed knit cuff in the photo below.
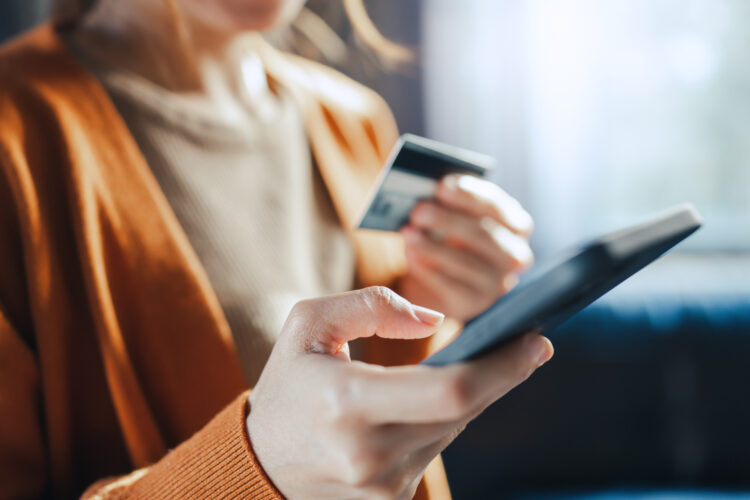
(217, 462)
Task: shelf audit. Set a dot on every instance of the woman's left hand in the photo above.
(465, 249)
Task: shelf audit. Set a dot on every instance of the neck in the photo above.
(152, 39)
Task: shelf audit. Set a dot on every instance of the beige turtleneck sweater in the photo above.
(248, 196)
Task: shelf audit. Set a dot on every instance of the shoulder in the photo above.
(36, 62)
(45, 94)
(42, 81)
(36, 107)
(50, 107)
(345, 103)
(35, 73)
(27, 64)
(333, 88)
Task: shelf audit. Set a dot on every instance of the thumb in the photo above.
(326, 324)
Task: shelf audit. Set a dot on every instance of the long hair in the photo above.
(388, 51)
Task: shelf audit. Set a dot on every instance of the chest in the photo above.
(254, 208)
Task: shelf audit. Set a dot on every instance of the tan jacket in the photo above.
(113, 347)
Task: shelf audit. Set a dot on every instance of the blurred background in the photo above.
(598, 113)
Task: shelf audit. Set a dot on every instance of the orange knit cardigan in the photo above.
(118, 375)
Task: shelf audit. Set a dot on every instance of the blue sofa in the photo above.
(648, 396)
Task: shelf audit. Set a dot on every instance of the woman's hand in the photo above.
(467, 249)
(323, 426)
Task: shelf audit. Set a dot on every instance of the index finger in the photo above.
(482, 198)
(324, 324)
(426, 394)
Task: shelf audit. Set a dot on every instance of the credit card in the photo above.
(411, 175)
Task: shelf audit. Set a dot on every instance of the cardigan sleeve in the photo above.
(216, 462)
(22, 462)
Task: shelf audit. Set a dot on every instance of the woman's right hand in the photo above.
(323, 426)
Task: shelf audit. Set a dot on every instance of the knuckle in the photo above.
(426, 257)
(423, 213)
(335, 409)
(339, 397)
(378, 296)
(515, 249)
(456, 395)
(364, 461)
(302, 309)
(417, 248)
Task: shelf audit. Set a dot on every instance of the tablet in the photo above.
(549, 296)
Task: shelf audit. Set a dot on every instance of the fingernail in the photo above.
(542, 350)
(520, 250)
(525, 221)
(428, 316)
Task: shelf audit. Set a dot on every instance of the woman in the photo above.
(170, 186)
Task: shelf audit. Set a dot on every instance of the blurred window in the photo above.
(600, 112)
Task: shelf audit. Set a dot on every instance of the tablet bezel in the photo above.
(546, 299)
